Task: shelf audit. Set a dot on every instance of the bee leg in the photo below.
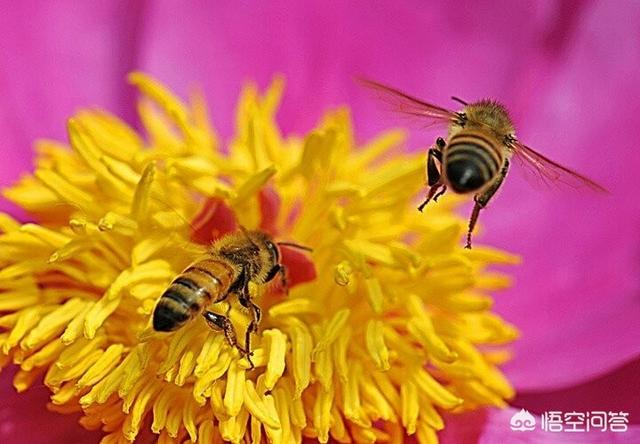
(472, 223)
(481, 200)
(434, 163)
(252, 328)
(220, 322)
(241, 288)
(440, 193)
(245, 301)
(433, 194)
(434, 158)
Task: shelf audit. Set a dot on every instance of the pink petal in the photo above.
(615, 391)
(576, 295)
(319, 46)
(215, 219)
(300, 267)
(25, 418)
(269, 202)
(58, 57)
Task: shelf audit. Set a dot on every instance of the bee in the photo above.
(475, 156)
(228, 267)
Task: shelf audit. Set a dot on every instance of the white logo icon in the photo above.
(522, 421)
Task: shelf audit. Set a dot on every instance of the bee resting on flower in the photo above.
(386, 326)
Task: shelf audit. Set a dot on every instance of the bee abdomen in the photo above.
(188, 294)
(171, 312)
(472, 160)
(212, 277)
(180, 302)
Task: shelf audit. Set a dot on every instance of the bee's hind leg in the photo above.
(220, 322)
(256, 313)
(481, 201)
(472, 222)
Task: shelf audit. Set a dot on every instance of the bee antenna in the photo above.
(459, 100)
(291, 244)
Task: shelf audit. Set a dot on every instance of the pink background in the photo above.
(568, 70)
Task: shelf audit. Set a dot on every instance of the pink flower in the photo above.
(568, 71)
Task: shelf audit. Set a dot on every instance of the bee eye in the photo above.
(275, 254)
(462, 119)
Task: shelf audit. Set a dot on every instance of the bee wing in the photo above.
(549, 172)
(408, 105)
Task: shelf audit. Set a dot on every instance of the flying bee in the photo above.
(228, 267)
(475, 156)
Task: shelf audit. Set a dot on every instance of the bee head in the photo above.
(262, 255)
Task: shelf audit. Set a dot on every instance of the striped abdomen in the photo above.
(203, 282)
(472, 159)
